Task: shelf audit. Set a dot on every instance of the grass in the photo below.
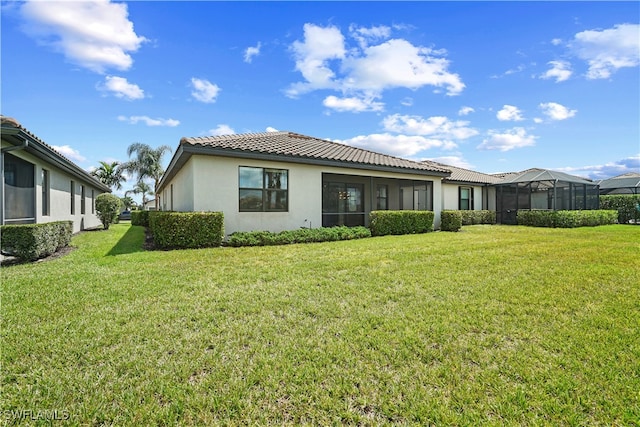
(491, 325)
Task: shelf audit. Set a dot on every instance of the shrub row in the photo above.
(567, 219)
(451, 220)
(478, 217)
(140, 218)
(383, 223)
(33, 241)
(303, 235)
(627, 205)
(180, 230)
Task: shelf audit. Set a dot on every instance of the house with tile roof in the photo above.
(41, 185)
(465, 189)
(283, 180)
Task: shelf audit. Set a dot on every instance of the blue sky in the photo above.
(494, 87)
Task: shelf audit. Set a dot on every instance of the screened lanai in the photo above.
(629, 183)
(541, 189)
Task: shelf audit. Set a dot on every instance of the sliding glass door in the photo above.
(342, 204)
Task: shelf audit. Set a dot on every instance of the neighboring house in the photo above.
(542, 189)
(628, 183)
(150, 205)
(40, 185)
(282, 180)
(468, 190)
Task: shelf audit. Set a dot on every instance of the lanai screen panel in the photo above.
(543, 190)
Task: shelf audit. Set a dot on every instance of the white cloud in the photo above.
(397, 63)
(607, 170)
(438, 126)
(555, 111)
(222, 129)
(121, 88)
(560, 70)
(252, 51)
(465, 111)
(149, 121)
(407, 101)
(204, 91)
(510, 113)
(398, 145)
(93, 34)
(608, 50)
(352, 104)
(505, 141)
(312, 55)
(365, 36)
(453, 161)
(520, 68)
(271, 129)
(556, 42)
(373, 65)
(69, 152)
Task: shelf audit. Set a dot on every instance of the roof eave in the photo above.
(49, 155)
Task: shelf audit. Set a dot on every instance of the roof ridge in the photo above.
(295, 135)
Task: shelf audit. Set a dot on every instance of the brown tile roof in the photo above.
(466, 175)
(305, 149)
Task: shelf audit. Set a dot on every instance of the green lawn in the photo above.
(492, 325)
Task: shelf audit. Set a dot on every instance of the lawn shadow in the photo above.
(132, 241)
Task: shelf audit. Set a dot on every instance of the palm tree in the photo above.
(110, 174)
(127, 202)
(143, 188)
(147, 163)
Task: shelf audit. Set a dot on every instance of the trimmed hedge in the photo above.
(400, 222)
(33, 241)
(140, 218)
(182, 230)
(567, 219)
(627, 205)
(451, 220)
(303, 235)
(478, 217)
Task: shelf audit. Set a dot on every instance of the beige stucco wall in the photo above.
(182, 199)
(60, 196)
(212, 183)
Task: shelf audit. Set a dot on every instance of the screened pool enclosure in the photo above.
(539, 189)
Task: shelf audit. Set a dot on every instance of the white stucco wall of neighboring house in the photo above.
(484, 197)
(491, 193)
(60, 195)
(215, 187)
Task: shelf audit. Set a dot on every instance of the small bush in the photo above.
(567, 219)
(400, 222)
(181, 230)
(140, 218)
(478, 217)
(303, 235)
(33, 241)
(451, 220)
(627, 205)
(107, 209)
